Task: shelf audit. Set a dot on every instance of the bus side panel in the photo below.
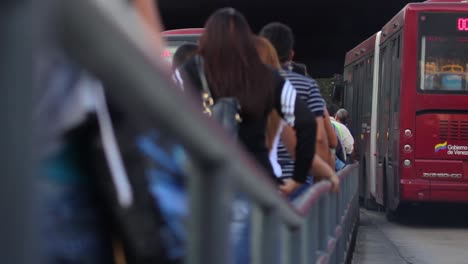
(409, 184)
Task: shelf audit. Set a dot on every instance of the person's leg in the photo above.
(240, 230)
(72, 227)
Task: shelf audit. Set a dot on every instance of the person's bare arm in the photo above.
(289, 139)
(322, 145)
(148, 10)
(319, 167)
(321, 170)
(332, 138)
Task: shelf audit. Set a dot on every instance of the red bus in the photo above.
(406, 88)
(176, 37)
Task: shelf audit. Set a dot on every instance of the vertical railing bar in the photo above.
(344, 207)
(256, 233)
(339, 250)
(324, 223)
(331, 232)
(331, 205)
(327, 212)
(315, 236)
(285, 245)
(334, 219)
(265, 235)
(296, 243)
(306, 245)
(210, 199)
(19, 194)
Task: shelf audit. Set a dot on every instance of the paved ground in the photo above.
(423, 235)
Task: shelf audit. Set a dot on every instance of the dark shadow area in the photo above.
(434, 215)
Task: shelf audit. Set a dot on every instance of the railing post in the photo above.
(333, 223)
(20, 237)
(210, 206)
(310, 235)
(265, 235)
(293, 245)
(324, 224)
(340, 251)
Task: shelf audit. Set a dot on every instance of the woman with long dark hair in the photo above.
(233, 69)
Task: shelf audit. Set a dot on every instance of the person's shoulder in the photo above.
(277, 75)
(293, 76)
(299, 68)
(344, 127)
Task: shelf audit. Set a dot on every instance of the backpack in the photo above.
(225, 110)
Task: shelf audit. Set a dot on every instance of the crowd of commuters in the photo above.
(284, 125)
(238, 73)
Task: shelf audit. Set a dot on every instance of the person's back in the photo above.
(308, 91)
(233, 69)
(346, 138)
(298, 68)
(183, 53)
(282, 38)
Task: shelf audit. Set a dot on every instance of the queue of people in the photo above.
(267, 102)
(282, 112)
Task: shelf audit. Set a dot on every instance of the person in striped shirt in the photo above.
(275, 127)
(282, 39)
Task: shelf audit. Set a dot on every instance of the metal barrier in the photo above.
(17, 165)
(102, 35)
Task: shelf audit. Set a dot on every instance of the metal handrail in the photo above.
(17, 191)
(102, 36)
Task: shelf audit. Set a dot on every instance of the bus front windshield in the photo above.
(174, 42)
(168, 52)
(443, 55)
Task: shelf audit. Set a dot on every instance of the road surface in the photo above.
(424, 234)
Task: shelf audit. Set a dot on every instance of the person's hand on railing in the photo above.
(322, 171)
(289, 186)
(335, 181)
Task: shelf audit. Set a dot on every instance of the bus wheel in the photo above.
(369, 202)
(390, 214)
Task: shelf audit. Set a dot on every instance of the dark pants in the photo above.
(72, 228)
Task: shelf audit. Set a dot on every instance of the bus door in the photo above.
(355, 126)
(383, 121)
(393, 149)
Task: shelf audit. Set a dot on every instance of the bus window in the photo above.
(177, 37)
(168, 52)
(443, 54)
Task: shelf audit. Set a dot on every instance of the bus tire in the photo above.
(369, 202)
(390, 214)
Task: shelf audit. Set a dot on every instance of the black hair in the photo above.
(282, 38)
(183, 53)
(332, 109)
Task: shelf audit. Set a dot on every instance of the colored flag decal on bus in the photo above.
(166, 53)
(440, 146)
